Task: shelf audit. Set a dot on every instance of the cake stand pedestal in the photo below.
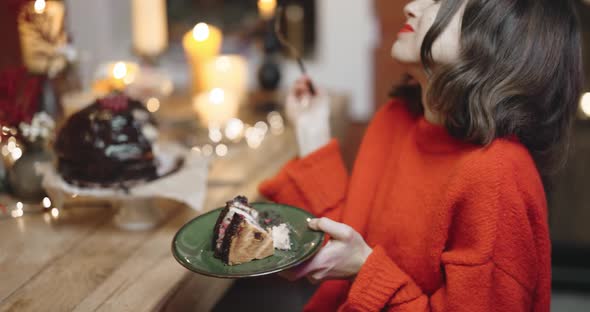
(136, 214)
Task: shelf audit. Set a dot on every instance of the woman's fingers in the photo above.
(336, 230)
(320, 262)
(301, 87)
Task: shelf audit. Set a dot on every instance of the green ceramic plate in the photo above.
(192, 245)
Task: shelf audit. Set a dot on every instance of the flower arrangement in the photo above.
(19, 95)
(40, 129)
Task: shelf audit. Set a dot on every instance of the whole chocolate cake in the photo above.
(108, 143)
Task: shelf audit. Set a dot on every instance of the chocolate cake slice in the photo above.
(238, 237)
(108, 143)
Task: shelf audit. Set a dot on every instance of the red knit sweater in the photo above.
(453, 226)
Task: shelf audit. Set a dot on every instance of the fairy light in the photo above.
(215, 135)
(221, 150)
(39, 6)
(277, 124)
(119, 70)
(46, 202)
(54, 212)
(18, 212)
(585, 104)
(16, 153)
(153, 105)
(234, 129)
(201, 32)
(196, 150)
(262, 126)
(11, 144)
(254, 137)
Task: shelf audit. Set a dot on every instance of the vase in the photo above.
(24, 182)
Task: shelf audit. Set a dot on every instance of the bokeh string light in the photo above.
(235, 130)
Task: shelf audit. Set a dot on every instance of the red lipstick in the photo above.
(407, 29)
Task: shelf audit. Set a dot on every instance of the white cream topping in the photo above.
(280, 237)
(248, 213)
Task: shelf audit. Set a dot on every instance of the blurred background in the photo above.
(345, 45)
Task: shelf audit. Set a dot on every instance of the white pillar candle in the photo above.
(228, 72)
(201, 44)
(150, 28)
(215, 107)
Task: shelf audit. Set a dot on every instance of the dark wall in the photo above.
(9, 42)
(387, 71)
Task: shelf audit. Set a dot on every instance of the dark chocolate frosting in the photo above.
(108, 143)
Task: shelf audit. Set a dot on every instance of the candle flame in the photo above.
(201, 32)
(217, 96)
(585, 104)
(39, 6)
(120, 70)
(267, 8)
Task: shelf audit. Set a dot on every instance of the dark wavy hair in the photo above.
(519, 74)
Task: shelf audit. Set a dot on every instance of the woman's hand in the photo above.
(341, 258)
(310, 114)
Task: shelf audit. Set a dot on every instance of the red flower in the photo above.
(19, 96)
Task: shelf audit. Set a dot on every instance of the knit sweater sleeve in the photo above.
(317, 183)
(492, 261)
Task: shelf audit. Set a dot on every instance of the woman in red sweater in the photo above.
(445, 209)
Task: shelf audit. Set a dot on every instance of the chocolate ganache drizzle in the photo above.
(108, 143)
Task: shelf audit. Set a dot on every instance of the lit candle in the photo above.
(266, 8)
(201, 44)
(215, 107)
(228, 72)
(39, 6)
(150, 30)
(585, 104)
(117, 77)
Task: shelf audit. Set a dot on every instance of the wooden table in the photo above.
(82, 262)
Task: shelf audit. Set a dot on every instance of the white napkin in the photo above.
(187, 185)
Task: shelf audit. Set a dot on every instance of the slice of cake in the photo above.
(238, 237)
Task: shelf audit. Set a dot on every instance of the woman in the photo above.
(445, 209)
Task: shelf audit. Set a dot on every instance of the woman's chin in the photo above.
(403, 55)
(404, 59)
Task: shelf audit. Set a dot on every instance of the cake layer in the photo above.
(237, 236)
(249, 244)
